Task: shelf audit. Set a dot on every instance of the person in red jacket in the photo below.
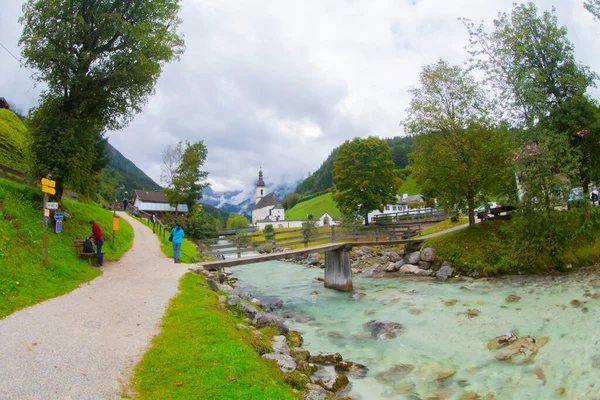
(99, 240)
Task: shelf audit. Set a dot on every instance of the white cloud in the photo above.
(279, 84)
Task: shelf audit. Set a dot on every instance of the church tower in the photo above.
(260, 187)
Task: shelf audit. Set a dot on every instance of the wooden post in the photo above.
(44, 230)
(332, 233)
(377, 234)
(237, 243)
(338, 272)
(274, 240)
(305, 238)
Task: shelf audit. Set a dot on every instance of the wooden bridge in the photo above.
(336, 242)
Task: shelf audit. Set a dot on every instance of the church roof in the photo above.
(278, 207)
(260, 182)
(267, 201)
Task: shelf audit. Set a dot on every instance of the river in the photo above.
(440, 337)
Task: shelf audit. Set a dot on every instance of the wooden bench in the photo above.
(78, 243)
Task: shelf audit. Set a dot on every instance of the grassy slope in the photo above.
(13, 141)
(316, 207)
(410, 186)
(23, 279)
(200, 354)
(189, 251)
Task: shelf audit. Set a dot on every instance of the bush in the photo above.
(268, 231)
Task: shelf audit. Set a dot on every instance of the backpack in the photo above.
(88, 246)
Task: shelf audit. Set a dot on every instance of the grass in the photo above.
(23, 278)
(201, 354)
(443, 225)
(189, 250)
(410, 186)
(13, 141)
(316, 207)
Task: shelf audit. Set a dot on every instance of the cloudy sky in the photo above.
(279, 84)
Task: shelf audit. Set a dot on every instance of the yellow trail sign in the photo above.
(48, 189)
(48, 182)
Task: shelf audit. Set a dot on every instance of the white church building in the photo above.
(268, 208)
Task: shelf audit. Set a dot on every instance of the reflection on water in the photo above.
(439, 336)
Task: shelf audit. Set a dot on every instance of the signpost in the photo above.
(58, 217)
(48, 187)
(52, 205)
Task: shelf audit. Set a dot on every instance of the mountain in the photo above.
(239, 201)
(13, 141)
(322, 179)
(122, 171)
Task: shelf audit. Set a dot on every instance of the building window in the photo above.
(261, 192)
(395, 208)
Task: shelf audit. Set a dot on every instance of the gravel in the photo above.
(85, 344)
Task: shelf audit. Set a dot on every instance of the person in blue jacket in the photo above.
(177, 234)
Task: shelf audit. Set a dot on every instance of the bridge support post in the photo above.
(338, 274)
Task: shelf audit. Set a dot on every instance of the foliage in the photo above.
(593, 6)
(365, 176)
(225, 365)
(236, 221)
(214, 212)
(14, 141)
(458, 153)
(128, 173)
(188, 180)
(315, 206)
(99, 61)
(290, 200)
(23, 280)
(400, 148)
(268, 231)
(171, 159)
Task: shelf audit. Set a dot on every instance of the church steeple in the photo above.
(260, 187)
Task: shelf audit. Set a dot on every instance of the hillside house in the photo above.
(403, 204)
(155, 203)
(268, 208)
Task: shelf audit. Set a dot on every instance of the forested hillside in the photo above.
(322, 179)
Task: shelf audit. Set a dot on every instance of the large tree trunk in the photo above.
(367, 219)
(471, 203)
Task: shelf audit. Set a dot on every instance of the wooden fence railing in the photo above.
(159, 227)
(13, 175)
(306, 236)
(413, 215)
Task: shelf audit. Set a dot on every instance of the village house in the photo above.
(413, 204)
(155, 203)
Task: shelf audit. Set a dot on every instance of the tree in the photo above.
(170, 158)
(365, 176)
(188, 179)
(457, 152)
(236, 221)
(593, 6)
(100, 60)
(290, 200)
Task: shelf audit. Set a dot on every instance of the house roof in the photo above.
(408, 199)
(268, 200)
(153, 197)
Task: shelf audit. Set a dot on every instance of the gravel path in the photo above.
(84, 345)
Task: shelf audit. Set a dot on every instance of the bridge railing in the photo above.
(307, 236)
(413, 215)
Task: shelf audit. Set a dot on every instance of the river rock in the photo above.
(357, 295)
(334, 385)
(521, 350)
(501, 341)
(280, 346)
(226, 288)
(300, 354)
(313, 394)
(412, 246)
(394, 374)
(256, 302)
(393, 256)
(575, 303)
(444, 273)
(392, 267)
(473, 312)
(443, 375)
(413, 257)
(424, 265)
(512, 297)
(286, 362)
(262, 319)
(408, 269)
(428, 254)
(365, 250)
(350, 368)
(595, 283)
(383, 329)
(213, 285)
(249, 310)
(233, 300)
(423, 272)
(325, 358)
(312, 259)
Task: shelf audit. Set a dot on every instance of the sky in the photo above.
(278, 84)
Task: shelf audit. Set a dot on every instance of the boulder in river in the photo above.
(423, 272)
(521, 350)
(350, 368)
(249, 310)
(444, 273)
(280, 346)
(428, 254)
(325, 358)
(286, 362)
(233, 300)
(512, 297)
(412, 258)
(262, 319)
(394, 374)
(383, 329)
(408, 269)
(424, 265)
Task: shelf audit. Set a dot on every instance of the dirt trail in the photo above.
(84, 344)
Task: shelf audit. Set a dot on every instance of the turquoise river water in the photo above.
(438, 337)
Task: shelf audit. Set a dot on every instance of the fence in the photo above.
(13, 175)
(430, 214)
(333, 234)
(158, 226)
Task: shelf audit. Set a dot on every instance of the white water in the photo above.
(438, 337)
